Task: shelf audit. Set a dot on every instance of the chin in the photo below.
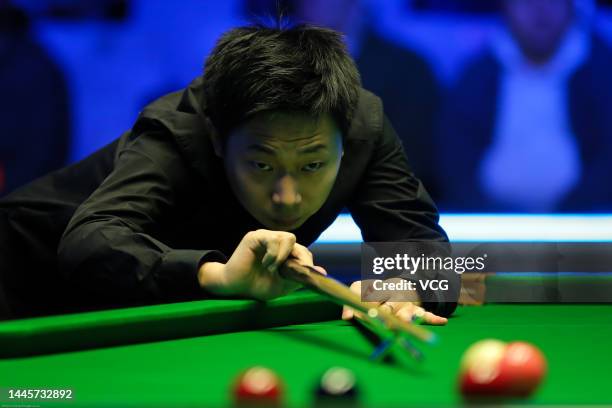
(288, 227)
(281, 226)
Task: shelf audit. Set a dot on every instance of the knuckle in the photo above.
(404, 314)
(305, 253)
(255, 234)
(290, 237)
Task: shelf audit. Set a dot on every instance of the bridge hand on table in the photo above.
(407, 311)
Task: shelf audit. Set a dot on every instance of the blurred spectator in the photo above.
(34, 119)
(527, 127)
(400, 77)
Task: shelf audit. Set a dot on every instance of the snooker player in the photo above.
(215, 186)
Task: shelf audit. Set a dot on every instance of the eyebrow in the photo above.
(265, 149)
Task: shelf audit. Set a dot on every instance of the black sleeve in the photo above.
(392, 205)
(111, 247)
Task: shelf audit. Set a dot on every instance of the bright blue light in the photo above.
(499, 228)
(555, 274)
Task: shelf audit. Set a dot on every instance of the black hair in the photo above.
(301, 68)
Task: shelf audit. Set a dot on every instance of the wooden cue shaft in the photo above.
(341, 294)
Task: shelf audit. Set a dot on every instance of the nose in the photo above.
(286, 193)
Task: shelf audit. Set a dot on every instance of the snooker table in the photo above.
(188, 354)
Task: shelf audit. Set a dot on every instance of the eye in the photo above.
(261, 166)
(312, 167)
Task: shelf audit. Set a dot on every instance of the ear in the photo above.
(215, 139)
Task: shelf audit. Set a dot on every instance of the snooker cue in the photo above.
(388, 342)
(341, 294)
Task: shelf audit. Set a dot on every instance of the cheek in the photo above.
(319, 190)
(244, 184)
(244, 180)
(252, 188)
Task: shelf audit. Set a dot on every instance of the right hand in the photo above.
(252, 270)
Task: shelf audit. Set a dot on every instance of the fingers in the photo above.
(407, 311)
(410, 312)
(347, 312)
(304, 257)
(255, 263)
(277, 245)
(430, 318)
(389, 307)
(285, 246)
(320, 269)
(302, 254)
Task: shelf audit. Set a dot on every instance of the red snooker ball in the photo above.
(494, 368)
(525, 365)
(258, 385)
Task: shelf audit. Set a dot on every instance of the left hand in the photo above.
(406, 311)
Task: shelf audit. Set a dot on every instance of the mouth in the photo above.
(286, 222)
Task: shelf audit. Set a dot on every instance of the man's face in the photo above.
(282, 165)
(539, 25)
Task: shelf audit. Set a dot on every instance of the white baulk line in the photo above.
(498, 227)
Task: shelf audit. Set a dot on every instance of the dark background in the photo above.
(103, 60)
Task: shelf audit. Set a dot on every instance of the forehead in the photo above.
(288, 128)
